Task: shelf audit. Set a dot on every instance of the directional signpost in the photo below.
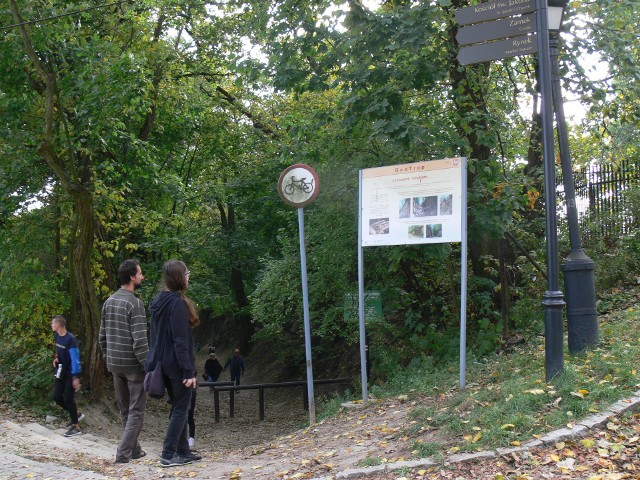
(511, 22)
(483, 12)
(509, 47)
(503, 29)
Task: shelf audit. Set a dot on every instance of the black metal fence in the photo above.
(602, 200)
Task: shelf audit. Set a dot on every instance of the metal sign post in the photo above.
(361, 326)
(525, 34)
(430, 206)
(307, 323)
(298, 186)
(553, 299)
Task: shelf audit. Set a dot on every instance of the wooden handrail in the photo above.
(231, 388)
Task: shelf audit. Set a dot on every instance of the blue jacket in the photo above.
(171, 340)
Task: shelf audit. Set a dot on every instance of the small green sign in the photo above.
(372, 306)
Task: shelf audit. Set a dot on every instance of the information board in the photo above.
(412, 203)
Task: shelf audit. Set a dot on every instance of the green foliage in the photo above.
(617, 257)
(528, 316)
(31, 293)
(506, 400)
(27, 379)
(180, 140)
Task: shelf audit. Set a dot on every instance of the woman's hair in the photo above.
(174, 278)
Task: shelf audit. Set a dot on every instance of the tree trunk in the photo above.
(242, 318)
(94, 374)
(83, 203)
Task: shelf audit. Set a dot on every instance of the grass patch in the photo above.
(369, 462)
(429, 449)
(507, 400)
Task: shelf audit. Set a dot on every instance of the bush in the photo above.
(27, 379)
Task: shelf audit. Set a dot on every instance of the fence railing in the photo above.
(261, 387)
(600, 199)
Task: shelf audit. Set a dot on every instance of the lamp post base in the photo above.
(582, 316)
(553, 304)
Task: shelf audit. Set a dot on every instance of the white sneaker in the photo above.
(191, 441)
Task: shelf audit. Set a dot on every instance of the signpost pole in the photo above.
(363, 347)
(299, 185)
(307, 323)
(553, 300)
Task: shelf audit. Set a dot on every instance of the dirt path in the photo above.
(379, 434)
(240, 447)
(284, 413)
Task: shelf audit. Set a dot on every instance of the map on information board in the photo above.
(412, 203)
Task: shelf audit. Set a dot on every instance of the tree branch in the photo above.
(234, 101)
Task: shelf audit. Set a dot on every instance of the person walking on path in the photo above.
(212, 368)
(67, 372)
(172, 315)
(236, 364)
(123, 339)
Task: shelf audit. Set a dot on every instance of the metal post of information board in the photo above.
(463, 280)
(363, 340)
(307, 323)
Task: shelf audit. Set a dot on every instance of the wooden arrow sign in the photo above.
(510, 47)
(484, 12)
(505, 27)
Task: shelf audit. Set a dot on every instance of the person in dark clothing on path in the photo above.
(236, 362)
(212, 368)
(67, 372)
(123, 339)
(172, 316)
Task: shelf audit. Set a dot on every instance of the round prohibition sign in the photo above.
(298, 185)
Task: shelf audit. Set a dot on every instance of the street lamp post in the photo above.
(578, 268)
(552, 301)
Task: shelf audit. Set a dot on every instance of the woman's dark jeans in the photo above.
(175, 441)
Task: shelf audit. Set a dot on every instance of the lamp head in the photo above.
(555, 12)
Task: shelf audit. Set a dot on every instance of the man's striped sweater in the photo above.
(123, 333)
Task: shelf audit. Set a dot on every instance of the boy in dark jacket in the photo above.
(67, 372)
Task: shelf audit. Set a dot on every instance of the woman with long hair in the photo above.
(172, 316)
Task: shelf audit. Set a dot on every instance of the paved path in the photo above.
(33, 451)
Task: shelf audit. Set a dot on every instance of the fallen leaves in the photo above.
(580, 393)
(535, 391)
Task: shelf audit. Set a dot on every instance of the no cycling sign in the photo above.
(298, 185)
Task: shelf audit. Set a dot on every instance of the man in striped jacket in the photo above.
(123, 338)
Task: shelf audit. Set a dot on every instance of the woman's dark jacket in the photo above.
(213, 368)
(171, 340)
